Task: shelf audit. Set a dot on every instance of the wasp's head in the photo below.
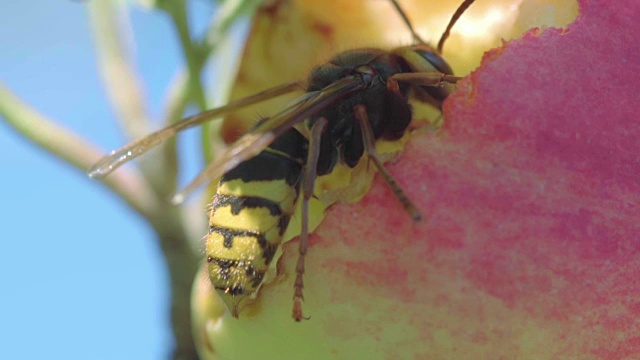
(422, 58)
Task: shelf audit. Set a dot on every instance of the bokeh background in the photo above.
(81, 274)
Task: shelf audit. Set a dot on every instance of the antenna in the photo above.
(461, 9)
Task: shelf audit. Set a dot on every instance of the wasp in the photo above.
(358, 97)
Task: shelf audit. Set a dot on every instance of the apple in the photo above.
(530, 243)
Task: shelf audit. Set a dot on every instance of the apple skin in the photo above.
(530, 243)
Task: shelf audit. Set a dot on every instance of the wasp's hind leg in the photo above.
(360, 112)
(308, 182)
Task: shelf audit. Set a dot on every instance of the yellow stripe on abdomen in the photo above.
(245, 230)
(277, 191)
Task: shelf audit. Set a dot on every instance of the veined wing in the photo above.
(257, 139)
(117, 157)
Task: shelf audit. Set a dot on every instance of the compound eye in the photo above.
(436, 60)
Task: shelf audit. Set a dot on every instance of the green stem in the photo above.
(74, 150)
(109, 20)
(196, 53)
(182, 263)
(195, 61)
(160, 169)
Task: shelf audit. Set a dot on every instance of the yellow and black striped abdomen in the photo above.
(249, 215)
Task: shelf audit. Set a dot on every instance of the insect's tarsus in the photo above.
(308, 182)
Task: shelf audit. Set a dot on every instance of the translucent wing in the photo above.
(138, 147)
(257, 139)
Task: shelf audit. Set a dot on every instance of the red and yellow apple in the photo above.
(530, 243)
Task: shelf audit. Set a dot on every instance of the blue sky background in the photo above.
(81, 274)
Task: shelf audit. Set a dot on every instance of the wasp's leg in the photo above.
(422, 80)
(433, 78)
(406, 20)
(308, 182)
(370, 147)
